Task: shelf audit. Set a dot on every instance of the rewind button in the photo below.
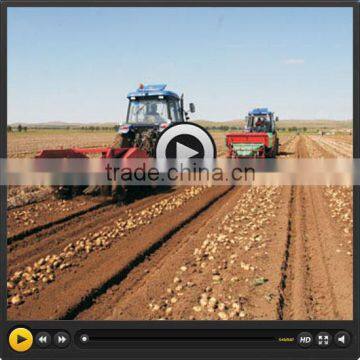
(43, 339)
(62, 339)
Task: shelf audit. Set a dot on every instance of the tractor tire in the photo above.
(105, 190)
(119, 194)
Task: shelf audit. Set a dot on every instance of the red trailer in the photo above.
(247, 144)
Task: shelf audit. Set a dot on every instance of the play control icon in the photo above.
(184, 152)
(62, 339)
(20, 339)
(84, 338)
(323, 339)
(342, 339)
(185, 141)
(305, 339)
(43, 339)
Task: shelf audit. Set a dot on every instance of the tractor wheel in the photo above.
(105, 190)
(118, 193)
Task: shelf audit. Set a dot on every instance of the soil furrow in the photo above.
(310, 289)
(31, 231)
(223, 253)
(285, 264)
(140, 258)
(194, 253)
(35, 246)
(96, 269)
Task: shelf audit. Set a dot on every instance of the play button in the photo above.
(184, 152)
(184, 146)
(185, 141)
(20, 339)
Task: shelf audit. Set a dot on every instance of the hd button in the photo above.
(305, 339)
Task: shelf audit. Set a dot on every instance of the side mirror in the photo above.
(277, 118)
(192, 107)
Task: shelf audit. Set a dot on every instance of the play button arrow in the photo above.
(20, 339)
(184, 152)
(185, 141)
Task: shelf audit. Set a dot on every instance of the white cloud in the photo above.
(293, 61)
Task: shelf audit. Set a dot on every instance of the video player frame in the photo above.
(183, 339)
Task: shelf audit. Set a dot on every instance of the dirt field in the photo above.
(27, 144)
(196, 253)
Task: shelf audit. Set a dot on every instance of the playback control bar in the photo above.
(212, 338)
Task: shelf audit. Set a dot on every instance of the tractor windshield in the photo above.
(148, 111)
(259, 123)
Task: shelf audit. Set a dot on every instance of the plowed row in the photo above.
(195, 253)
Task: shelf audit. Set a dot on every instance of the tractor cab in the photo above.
(154, 106)
(261, 120)
(151, 110)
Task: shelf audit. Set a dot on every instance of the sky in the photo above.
(78, 64)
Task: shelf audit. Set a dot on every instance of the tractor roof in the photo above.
(152, 90)
(260, 111)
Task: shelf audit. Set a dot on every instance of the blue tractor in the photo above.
(151, 109)
(260, 138)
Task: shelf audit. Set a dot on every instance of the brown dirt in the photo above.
(317, 275)
(27, 144)
(74, 283)
(53, 239)
(178, 276)
(31, 218)
(274, 253)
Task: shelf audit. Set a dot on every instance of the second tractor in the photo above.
(259, 138)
